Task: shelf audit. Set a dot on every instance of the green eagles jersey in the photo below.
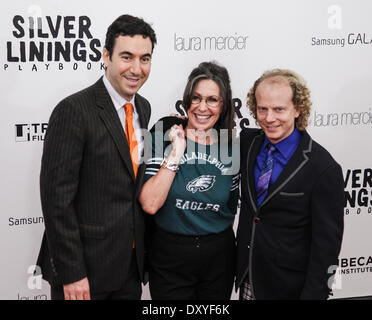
(204, 194)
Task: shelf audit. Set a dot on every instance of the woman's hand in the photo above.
(177, 137)
(161, 182)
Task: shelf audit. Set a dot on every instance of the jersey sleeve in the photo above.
(157, 154)
(160, 146)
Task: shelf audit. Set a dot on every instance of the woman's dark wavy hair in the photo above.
(220, 75)
(127, 25)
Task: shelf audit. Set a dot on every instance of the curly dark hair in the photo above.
(127, 25)
(300, 99)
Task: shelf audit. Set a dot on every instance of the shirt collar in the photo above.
(286, 145)
(118, 100)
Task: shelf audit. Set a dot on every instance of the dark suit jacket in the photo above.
(287, 244)
(89, 193)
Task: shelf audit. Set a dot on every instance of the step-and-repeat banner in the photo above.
(50, 49)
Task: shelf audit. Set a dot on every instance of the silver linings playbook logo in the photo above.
(358, 191)
(41, 42)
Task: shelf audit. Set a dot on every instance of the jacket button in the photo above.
(256, 220)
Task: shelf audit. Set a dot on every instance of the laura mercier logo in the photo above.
(334, 119)
(210, 42)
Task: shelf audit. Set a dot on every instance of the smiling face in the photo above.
(276, 112)
(202, 116)
(129, 65)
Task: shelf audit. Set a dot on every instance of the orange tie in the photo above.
(131, 137)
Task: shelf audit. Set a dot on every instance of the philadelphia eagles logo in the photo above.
(202, 183)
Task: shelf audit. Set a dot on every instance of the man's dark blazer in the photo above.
(89, 193)
(287, 244)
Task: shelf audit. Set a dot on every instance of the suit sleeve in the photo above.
(327, 213)
(234, 194)
(59, 180)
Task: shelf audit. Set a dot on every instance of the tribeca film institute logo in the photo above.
(51, 42)
(31, 132)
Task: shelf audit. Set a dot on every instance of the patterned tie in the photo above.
(131, 137)
(265, 175)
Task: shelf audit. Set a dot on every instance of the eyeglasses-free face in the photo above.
(129, 66)
(276, 113)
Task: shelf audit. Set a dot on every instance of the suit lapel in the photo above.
(253, 151)
(143, 122)
(140, 111)
(112, 122)
(294, 165)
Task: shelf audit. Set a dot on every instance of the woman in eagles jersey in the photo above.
(192, 190)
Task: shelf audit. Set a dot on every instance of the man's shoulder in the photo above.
(321, 155)
(81, 95)
(85, 93)
(79, 100)
(249, 133)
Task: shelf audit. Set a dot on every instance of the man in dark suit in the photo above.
(91, 174)
(291, 218)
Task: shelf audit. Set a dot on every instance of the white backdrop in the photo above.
(328, 42)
